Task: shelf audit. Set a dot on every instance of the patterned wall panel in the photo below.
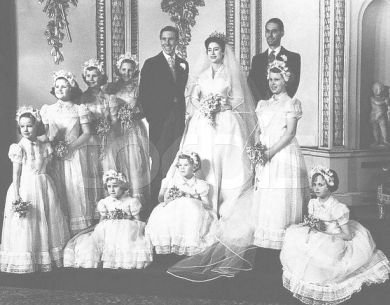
(245, 34)
(101, 31)
(117, 30)
(134, 28)
(230, 24)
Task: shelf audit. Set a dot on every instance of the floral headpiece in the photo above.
(194, 158)
(112, 174)
(218, 35)
(128, 56)
(69, 76)
(281, 66)
(324, 172)
(28, 109)
(93, 63)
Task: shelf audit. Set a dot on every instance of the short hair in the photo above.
(336, 180)
(193, 159)
(39, 125)
(123, 185)
(75, 92)
(102, 77)
(170, 28)
(278, 22)
(217, 40)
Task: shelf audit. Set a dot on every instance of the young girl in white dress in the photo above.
(329, 257)
(184, 222)
(68, 122)
(33, 238)
(118, 240)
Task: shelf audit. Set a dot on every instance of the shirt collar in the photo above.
(277, 50)
(27, 141)
(190, 182)
(167, 57)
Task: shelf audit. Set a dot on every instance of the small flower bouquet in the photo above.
(103, 128)
(60, 149)
(129, 115)
(313, 223)
(174, 192)
(21, 207)
(118, 214)
(256, 154)
(210, 106)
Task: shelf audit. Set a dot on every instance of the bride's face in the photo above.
(215, 53)
(277, 83)
(126, 71)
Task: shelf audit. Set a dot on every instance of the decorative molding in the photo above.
(338, 73)
(230, 22)
(117, 30)
(258, 28)
(245, 34)
(101, 32)
(134, 20)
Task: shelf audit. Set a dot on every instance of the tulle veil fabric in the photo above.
(234, 250)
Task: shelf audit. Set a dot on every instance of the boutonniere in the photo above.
(183, 65)
(283, 57)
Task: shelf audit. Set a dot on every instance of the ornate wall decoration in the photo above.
(101, 32)
(117, 30)
(258, 30)
(183, 13)
(230, 24)
(245, 35)
(58, 25)
(338, 73)
(134, 28)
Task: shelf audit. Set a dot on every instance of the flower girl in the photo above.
(34, 228)
(329, 257)
(118, 240)
(184, 222)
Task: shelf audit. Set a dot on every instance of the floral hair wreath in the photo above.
(128, 56)
(69, 76)
(112, 174)
(93, 63)
(194, 158)
(28, 109)
(281, 66)
(324, 172)
(219, 35)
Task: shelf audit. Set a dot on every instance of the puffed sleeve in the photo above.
(134, 206)
(340, 212)
(84, 114)
(202, 188)
(260, 105)
(101, 207)
(15, 153)
(44, 114)
(310, 207)
(294, 109)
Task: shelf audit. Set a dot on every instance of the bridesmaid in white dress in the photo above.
(69, 122)
(220, 141)
(131, 143)
(281, 185)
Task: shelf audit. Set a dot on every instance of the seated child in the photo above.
(118, 240)
(183, 223)
(329, 257)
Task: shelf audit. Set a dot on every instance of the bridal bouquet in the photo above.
(118, 214)
(21, 207)
(174, 192)
(129, 115)
(60, 149)
(210, 106)
(313, 223)
(102, 128)
(256, 154)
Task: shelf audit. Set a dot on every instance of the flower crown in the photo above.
(218, 35)
(194, 158)
(69, 76)
(324, 172)
(28, 109)
(112, 174)
(281, 66)
(128, 56)
(93, 63)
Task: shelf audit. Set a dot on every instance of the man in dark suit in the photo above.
(257, 78)
(161, 94)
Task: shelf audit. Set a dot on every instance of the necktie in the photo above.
(271, 56)
(171, 63)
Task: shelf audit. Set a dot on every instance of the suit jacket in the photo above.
(257, 78)
(161, 97)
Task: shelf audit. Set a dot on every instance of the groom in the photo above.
(161, 94)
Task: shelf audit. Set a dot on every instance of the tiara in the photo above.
(194, 158)
(93, 63)
(112, 174)
(128, 56)
(28, 109)
(66, 75)
(218, 35)
(324, 172)
(281, 66)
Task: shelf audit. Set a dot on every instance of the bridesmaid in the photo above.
(66, 122)
(131, 142)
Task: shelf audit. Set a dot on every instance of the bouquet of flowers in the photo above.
(313, 223)
(21, 207)
(60, 149)
(118, 214)
(102, 128)
(256, 154)
(174, 192)
(210, 106)
(129, 115)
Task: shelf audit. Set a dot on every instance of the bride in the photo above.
(220, 124)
